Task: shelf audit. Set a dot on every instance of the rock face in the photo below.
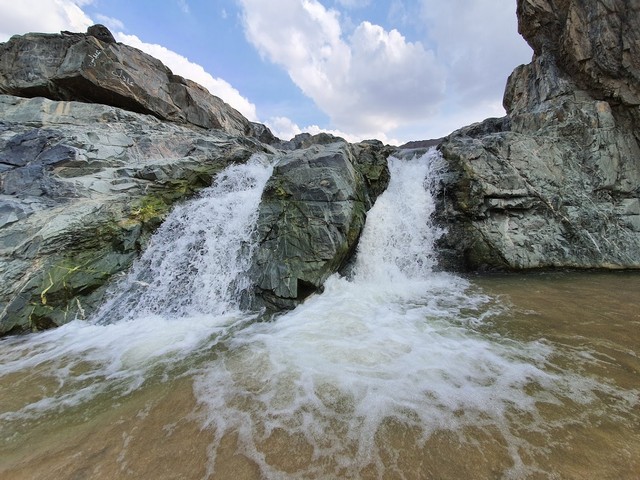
(556, 183)
(311, 215)
(93, 68)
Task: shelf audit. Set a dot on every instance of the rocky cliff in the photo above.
(556, 183)
(91, 67)
(81, 188)
(98, 140)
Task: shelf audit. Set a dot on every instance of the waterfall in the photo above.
(397, 341)
(180, 297)
(197, 260)
(352, 383)
(398, 242)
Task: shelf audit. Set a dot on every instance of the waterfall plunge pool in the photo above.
(398, 372)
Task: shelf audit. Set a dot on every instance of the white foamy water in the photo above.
(397, 350)
(195, 263)
(179, 297)
(395, 342)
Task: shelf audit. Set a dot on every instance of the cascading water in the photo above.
(394, 345)
(398, 242)
(196, 262)
(180, 295)
(397, 372)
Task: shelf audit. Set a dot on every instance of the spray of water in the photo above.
(398, 344)
(179, 297)
(392, 343)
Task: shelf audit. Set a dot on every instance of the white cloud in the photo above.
(283, 127)
(182, 66)
(374, 81)
(377, 81)
(109, 22)
(478, 44)
(354, 3)
(49, 16)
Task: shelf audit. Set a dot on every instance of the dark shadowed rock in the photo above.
(94, 68)
(557, 182)
(421, 144)
(311, 216)
(102, 33)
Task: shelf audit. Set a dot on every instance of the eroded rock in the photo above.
(550, 185)
(93, 68)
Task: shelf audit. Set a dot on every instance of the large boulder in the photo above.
(556, 183)
(81, 188)
(311, 215)
(93, 68)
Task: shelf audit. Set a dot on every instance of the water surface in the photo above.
(396, 372)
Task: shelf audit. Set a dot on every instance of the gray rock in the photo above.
(83, 188)
(83, 184)
(311, 215)
(102, 33)
(94, 68)
(555, 183)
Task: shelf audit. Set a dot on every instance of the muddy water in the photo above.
(396, 372)
(583, 330)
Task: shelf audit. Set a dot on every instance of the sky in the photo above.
(396, 70)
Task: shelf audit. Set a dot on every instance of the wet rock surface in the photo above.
(82, 186)
(312, 213)
(98, 140)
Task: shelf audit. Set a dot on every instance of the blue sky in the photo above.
(395, 70)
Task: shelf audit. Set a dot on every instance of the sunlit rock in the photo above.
(93, 68)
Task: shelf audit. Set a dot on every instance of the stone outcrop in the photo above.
(312, 213)
(556, 183)
(93, 68)
(83, 184)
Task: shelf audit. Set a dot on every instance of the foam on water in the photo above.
(181, 296)
(397, 342)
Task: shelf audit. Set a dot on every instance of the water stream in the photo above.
(396, 372)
